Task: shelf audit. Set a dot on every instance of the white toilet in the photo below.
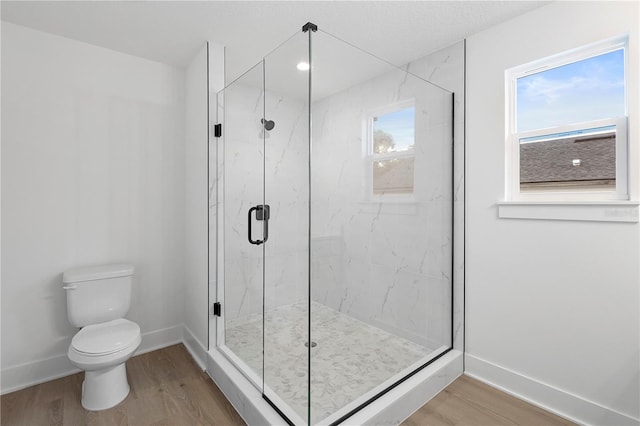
(97, 300)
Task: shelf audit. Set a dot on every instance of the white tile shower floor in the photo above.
(350, 358)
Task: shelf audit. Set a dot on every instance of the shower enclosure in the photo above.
(334, 226)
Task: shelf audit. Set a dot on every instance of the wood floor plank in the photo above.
(47, 396)
(13, 408)
(483, 395)
(168, 388)
(470, 402)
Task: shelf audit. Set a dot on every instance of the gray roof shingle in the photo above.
(553, 161)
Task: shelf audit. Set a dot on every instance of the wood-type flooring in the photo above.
(168, 388)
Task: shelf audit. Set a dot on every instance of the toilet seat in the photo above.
(106, 338)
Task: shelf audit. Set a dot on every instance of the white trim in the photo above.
(574, 55)
(544, 395)
(244, 397)
(159, 339)
(195, 348)
(589, 125)
(35, 372)
(578, 211)
(401, 402)
(381, 387)
(241, 366)
(392, 408)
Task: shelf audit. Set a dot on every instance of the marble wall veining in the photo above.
(387, 262)
(446, 68)
(391, 261)
(285, 188)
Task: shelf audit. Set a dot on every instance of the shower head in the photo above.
(268, 124)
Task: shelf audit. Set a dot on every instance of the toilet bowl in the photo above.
(97, 299)
(101, 350)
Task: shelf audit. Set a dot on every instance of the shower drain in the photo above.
(313, 344)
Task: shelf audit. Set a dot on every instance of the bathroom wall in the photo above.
(204, 74)
(195, 254)
(387, 263)
(92, 172)
(552, 306)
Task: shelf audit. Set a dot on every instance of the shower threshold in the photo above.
(351, 363)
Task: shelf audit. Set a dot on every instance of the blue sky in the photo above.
(586, 90)
(401, 125)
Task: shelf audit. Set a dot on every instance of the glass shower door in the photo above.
(381, 227)
(286, 279)
(264, 177)
(244, 227)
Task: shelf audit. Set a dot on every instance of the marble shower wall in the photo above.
(386, 262)
(446, 68)
(285, 187)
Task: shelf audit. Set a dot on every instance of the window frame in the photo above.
(370, 156)
(513, 137)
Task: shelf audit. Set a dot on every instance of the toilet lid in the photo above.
(106, 338)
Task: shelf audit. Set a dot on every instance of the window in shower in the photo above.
(391, 144)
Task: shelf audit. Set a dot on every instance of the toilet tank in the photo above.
(98, 293)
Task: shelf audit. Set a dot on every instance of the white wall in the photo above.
(0, 199)
(552, 307)
(196, 132)
(92, 172)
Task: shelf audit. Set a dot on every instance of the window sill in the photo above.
(596, 211)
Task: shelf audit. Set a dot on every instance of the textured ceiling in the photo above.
(172, 31)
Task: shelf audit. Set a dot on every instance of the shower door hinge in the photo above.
(217, 309)
(217, 130)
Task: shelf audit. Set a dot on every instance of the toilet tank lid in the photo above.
(97, 273)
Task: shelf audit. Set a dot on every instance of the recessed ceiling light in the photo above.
(303, 66)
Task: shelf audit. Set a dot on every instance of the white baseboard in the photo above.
(32, 373)
(159, 339)
(36, 372)
(543, 395)
(196, 349)
(244, 397)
